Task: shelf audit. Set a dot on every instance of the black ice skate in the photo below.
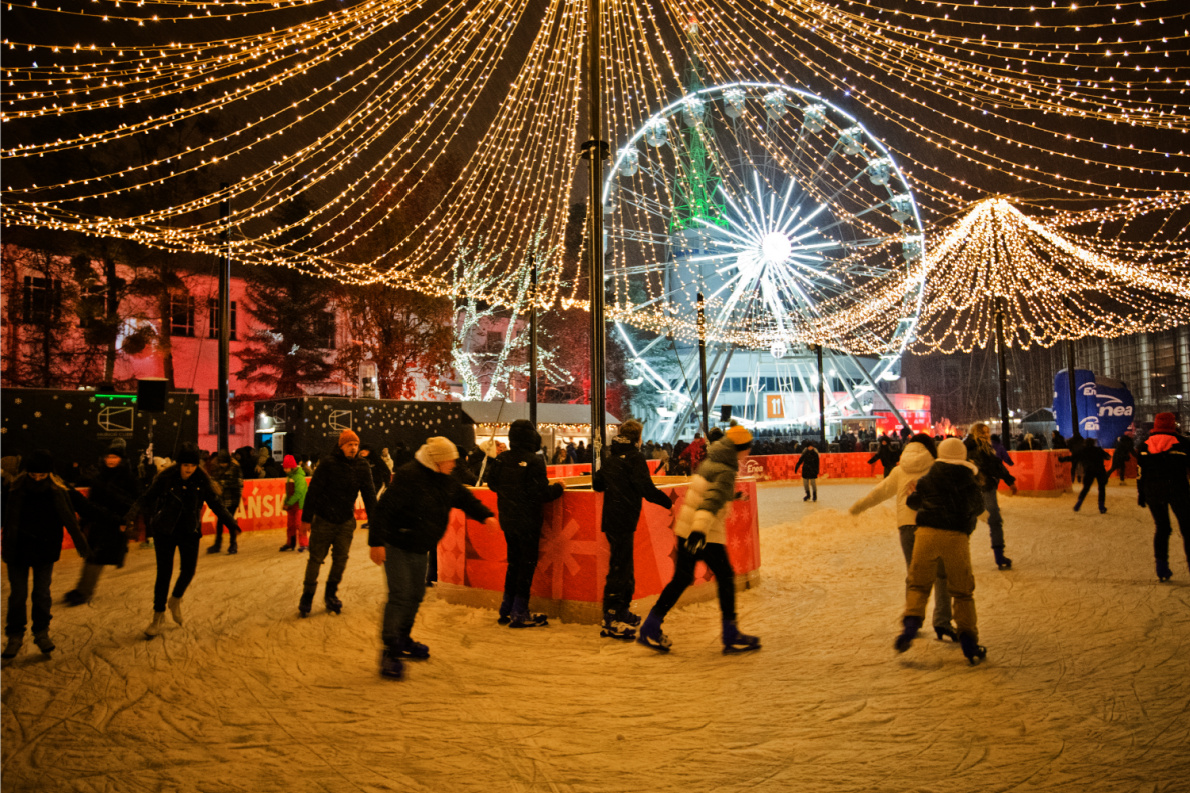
(306, 604)
(736, 642)
(614, 628)
(525, 619)
(1163, 572)
(11, 647)
(44, 642)
(946, 631)
(391, 665)
(652, 637)
(911, 626)
(333, 604)
(972, 649)
(628, 618)
(289, 546)
(408, 648)
(1002, 561)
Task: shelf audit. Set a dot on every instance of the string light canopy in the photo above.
(327, 126)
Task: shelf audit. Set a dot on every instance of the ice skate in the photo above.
(303, 548)
(216, 548)
(233, 548)
(911, 626)
(408, 648)
(157, 625)
(972, 649)
(306, 604)
(391, 665)
(1163, 572)
(289, 546)
(736, 642)
(628, 618)
(615, 628)
(333, 604)
(174, 604)
(525, 619)
(946, 631)
(44, 642)
(807, 497)
(1002, 561)
(12, 646)
(652, 637)
(1078, 504)
(75, 597)
(1102, 510)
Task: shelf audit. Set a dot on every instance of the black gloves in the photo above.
(695, 542)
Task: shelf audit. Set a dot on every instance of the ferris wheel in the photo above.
(792, 221)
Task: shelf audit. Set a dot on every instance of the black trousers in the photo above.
(187, 548)
(715, 556)
(522, 561)
(18, 595)
(1160, 509)
(1091, 478)
(621, 572)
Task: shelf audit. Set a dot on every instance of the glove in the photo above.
(695, 542)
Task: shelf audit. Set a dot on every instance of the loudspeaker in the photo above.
(725, 413)
(150, 394)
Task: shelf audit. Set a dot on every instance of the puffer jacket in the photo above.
(991, 468)
(915, 462)
(334, 486)
(710, 493)
(35, 514)
(295, 489)
(415, 509)
(808, 463)
(518, 478)
(177, 503)
(624, 478)
(947, 497)
(1164, 461)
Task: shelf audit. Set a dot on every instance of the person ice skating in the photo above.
(1091, 459)
(808, 463)
(177, 496)
(112, 494)
(407, 525)
(1124, 449)
(229, 476)
(295, 499)
(37, 510)
(518, 478)
(948, 500)
(885, 455)
(991, 470)
(1164, 460)
(702, 536)
(329, 517)
(625, 481)
(916, 459)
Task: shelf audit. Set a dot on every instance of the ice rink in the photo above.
(1086, 686)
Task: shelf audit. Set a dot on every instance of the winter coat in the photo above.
(991, 467)
(35, 515)
(112, 494)
(916, 460)
(624, 478)
(1164, 461)
(177, 503)
(710, 493)
(230, 479)
(415, 509)
(295, 489)
(1057, 441)
(1123, 451)
(885, 455)
(334, 486)
(808, 463)
(947, 497)
(380, 472)
(1091, 458)
(518, 478)
(694, 454)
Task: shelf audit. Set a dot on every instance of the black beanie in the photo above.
(187, 455)
(118, 448)
(40, 462)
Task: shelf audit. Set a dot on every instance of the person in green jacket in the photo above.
(295, 499)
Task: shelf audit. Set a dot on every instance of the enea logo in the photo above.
(1113, 406)
(753, 469)
(1088, 389)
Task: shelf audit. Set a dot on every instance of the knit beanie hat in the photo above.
(954, 451)
(346, 437)
(740, 437)
(118, 448)
(439, 449)
(40, 462)
(1165, 422)
(187, 455)
(289, 462)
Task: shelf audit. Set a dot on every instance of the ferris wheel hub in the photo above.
(776, 247)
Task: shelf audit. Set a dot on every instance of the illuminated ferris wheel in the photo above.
(788, 216)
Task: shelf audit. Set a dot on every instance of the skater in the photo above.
(407, 525)
(885, 455)
(177, 495)
(991, 470)
(328, 515)
(1162, 486)
(518, 478)
(947, 500)
(808, 464)
(37, 509)
(1124, 450)
(228, 475)
(916, 459)
(1091, 458)
(112, 494)
(295, 499)
(702, 536)
(625, 481)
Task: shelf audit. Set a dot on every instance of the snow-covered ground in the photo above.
(1086, 686)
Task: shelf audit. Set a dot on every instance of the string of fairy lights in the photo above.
(326, 130)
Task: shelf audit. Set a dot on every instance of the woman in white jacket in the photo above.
(916, 460)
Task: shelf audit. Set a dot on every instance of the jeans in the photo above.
(715, 556)
(953, 549)
(1159, 508)
(187, 547)
(522, 563)
(942, 615)
(18, 581)
(406, 574)
(811, 486)
(232, 502)
(326, 536)
(621, 574)
(995, 522)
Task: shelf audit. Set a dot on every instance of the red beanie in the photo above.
(1165, 422)
(346, 437)
(289, 463)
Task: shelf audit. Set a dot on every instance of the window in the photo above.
(92, 307)
(41, 300)
(323, 327)
(213, 412)
(213, 319)
(181, 315)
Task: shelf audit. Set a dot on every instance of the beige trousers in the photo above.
(953, 548)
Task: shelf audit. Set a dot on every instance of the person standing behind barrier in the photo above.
(885, 455)
(1121, 454)
(228, 475)
(1091, 458)
(808, 463)
(992, 470)
(329, 516)
(1162, 486)
(112, 494)
(295, 499)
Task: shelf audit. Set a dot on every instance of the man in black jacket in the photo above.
(1162, 486)
(329, 517)
(809, 463)
(624, 477)
(410, 519)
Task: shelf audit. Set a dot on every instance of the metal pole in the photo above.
(1070, 381)
(595, 150)
(533, 339)
(223, 309)
(821, 399)
(702, 362)
(1005, 427)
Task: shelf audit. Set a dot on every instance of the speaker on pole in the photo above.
(724, 413)
(150, 394)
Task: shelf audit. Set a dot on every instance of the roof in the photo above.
(547, 413)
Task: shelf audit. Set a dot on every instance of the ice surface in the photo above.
(1086, 686)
